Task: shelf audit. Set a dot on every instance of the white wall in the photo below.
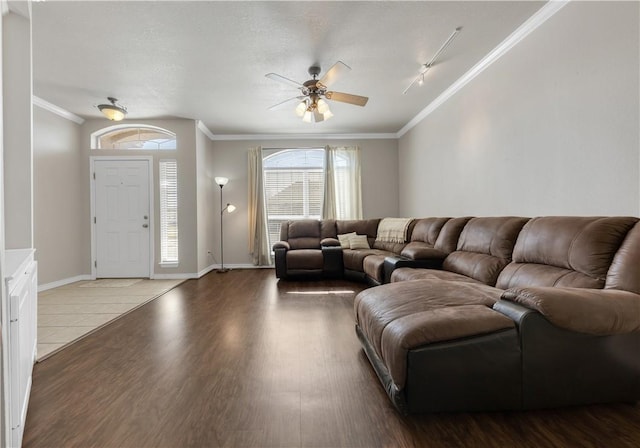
(550, 128)
(60, 222)
(379, 185)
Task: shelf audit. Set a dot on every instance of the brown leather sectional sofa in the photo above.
(310, 248)
(509, 313)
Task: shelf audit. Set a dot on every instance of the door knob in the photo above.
(145, 217)
(145, 225)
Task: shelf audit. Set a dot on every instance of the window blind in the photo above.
(168, 211)
(293, 187)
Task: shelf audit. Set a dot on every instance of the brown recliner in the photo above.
(299, 251)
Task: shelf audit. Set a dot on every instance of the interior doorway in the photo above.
(122, 217)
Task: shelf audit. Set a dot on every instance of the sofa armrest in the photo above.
(392, 263)
(280, 257)
(591, 311)
(281, 245)
(329, 242)
(333, 263)
(417, 250)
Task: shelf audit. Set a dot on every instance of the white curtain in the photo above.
(342, 183)
(258, 239)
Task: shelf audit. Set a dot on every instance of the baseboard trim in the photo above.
(64, 281)
(213, 267)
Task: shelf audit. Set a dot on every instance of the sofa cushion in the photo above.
(344, 239)
(449, 235)
(328, 228)
(358, 242)
(367, 227)
(354, 259)
(426, 230)
(392, 248)
(373, 266)
(304, 234)
(485, 247)
(624, 272)
(565, 251)
(398, 317)
(302, 259)
(404, 274)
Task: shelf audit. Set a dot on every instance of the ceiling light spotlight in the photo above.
(113, 111)
(427, 66)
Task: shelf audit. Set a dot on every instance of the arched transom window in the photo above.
(133, 137)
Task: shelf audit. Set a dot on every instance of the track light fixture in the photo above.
(427, 66)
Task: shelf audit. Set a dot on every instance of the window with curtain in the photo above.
(293, 187)
(168, 211)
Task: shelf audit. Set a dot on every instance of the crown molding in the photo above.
(235, 137)
(205, 130)
(537, 19)
(37, 101)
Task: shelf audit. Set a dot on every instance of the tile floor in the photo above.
(70, 312)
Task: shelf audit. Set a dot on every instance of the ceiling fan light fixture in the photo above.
(301, 108)
(113, 111)
(328, 114)
(323, 107)
(307, 116)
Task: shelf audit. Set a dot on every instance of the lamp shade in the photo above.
(231, 208)
(323, 107)
(113, 111)
(301, 108)
(222, 181)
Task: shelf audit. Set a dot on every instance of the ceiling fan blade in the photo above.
(356, 100)
(318, 116)
(334, 73)
(284, 80)
(287, 101)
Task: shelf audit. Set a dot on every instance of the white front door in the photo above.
(122, 218)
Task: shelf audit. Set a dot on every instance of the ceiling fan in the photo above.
(314, 92)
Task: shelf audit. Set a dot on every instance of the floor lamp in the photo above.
(222, 181)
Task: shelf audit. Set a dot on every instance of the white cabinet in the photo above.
(22, 291)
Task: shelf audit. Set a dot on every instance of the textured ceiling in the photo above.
(207, 60)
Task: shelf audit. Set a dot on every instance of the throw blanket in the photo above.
(393, 230)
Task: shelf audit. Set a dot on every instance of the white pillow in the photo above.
(344, 239)
(359, 242)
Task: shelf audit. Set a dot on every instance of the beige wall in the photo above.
(379, 185)
(187, 203)
(207, 202)
(17, 89)
(60, 218)
(550, 128)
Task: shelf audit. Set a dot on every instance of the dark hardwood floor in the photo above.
(242, 360)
